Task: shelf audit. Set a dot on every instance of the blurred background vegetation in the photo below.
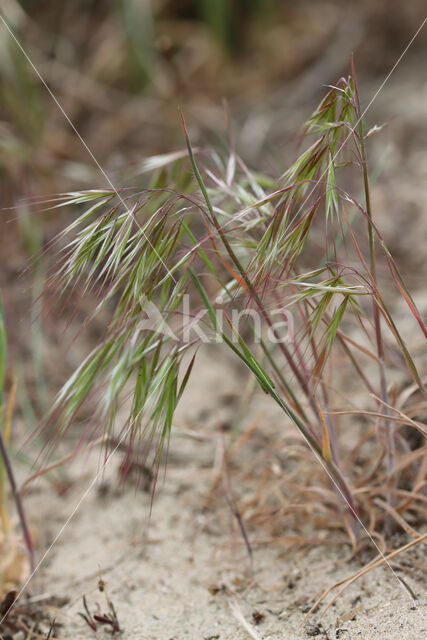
(120, 69)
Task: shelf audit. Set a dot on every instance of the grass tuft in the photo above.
(301, 247)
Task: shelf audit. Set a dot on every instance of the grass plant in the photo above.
(300, 247)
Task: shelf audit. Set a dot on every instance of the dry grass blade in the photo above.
(238, 614)
(358, 574)
(400, 521)
(374, 414)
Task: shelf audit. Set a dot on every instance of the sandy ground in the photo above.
(185, 572)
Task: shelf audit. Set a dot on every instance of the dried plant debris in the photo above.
(29, 615)
(14, 564)
(258, 617)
